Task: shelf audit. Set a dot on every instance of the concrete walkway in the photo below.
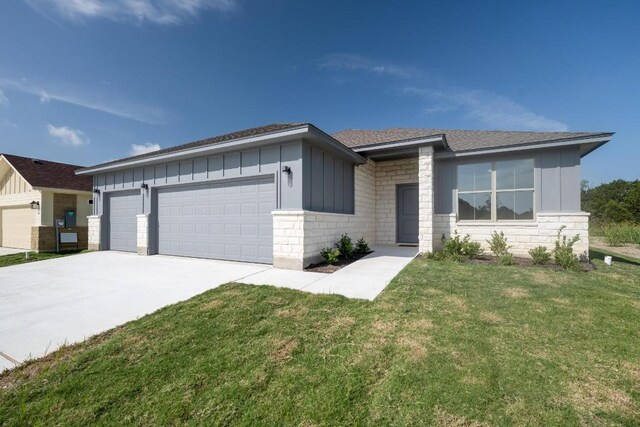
(365, 278)
(11, 251)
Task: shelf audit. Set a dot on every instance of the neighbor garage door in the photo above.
(16, 226)
(230, 221)
(122, 209)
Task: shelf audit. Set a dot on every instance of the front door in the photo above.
(407, 213)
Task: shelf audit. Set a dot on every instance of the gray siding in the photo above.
(557, 179)
(328, 181)
(266, 160)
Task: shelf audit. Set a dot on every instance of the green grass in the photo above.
(19, 258)
(445, 344)
(618, 234)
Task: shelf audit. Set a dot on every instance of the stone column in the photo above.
(425, 199)
(94, 232)
(288, 239)
(142, 235)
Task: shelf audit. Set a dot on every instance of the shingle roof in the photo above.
(458, 140)
(246, 133)
(43, 173)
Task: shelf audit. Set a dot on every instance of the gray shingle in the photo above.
(458, 140)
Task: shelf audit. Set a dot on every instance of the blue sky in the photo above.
(86, 81)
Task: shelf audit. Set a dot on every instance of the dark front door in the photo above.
(407, 213)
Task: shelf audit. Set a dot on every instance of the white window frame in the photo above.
(493, 191)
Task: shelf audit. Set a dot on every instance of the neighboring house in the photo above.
(280, 193)
(33, 193)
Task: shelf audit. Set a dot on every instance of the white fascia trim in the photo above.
(196, 151)
(535, 146)
(64, 191)
(401, 144)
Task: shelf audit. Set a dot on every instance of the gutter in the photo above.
(401, 144)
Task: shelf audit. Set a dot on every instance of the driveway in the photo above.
(65, 300)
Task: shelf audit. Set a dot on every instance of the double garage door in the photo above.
(229, 221)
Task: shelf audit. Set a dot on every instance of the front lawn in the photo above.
(20, 258)
(445, 344)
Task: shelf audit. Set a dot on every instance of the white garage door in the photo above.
(16, 227)
(230, 221)
(122, 208)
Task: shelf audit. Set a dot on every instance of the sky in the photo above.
(87, 81)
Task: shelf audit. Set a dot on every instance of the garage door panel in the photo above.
(122, 210)
(16, 226)
(224, 220)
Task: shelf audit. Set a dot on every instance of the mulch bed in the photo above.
(527, 262)
(324, 267)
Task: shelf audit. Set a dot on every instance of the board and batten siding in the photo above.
(328, 181)
(227, 166)
(556, 179)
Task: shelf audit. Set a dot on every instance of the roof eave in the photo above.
(198, 151)
(598, 140)
(405, 143)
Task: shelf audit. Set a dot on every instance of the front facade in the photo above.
(280, 193)
(33, 194)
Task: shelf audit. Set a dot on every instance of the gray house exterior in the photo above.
(280, 193)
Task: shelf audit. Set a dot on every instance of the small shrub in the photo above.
(362, 247)
(443, 256)
(540, 255)
(563, 251)
(506, 259)
(498, 244)
(461, 247)
(331, 255)
(345, 245)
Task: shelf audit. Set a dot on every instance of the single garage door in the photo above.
(16, 226)
(229, 221)
(122, 209)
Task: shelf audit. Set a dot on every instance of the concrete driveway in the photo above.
(65, 300)
(11, 251)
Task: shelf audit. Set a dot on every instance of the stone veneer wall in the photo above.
(523, 236)
(43, 238)
(299, 236)
(389, 174)
(142, 235)
(94, 232)
(425, 199)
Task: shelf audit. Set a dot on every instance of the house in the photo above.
(33, 194)
(280, 193)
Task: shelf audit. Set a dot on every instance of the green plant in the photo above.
(563, 251)
(459, 247)
(345, 245)
(540, 255)
(331, 255)
(443, 256)
(498, 244)
(621, 234)
(506, 259)
(362, 247)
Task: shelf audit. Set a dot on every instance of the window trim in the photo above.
(494, 196)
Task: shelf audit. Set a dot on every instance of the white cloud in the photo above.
(170, 12)
(137, 149)
(120, 108)
(351, 62)
(4, 101)
(68, 136)
(491, 109)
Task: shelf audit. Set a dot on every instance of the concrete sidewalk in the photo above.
(11, 251)
(365, 278)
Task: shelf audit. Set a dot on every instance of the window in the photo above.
(499, 191)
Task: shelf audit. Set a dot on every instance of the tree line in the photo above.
(614, 202)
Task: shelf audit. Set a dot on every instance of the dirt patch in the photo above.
(442, 418)
(516, 292)
(626, 250)
(457, 302)
(491, 317)
(324, 267)
(420, 324)
(591, 395)
(384, 327)
(633, 369)
(284, 350)
(212, 304)
(415, 349)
